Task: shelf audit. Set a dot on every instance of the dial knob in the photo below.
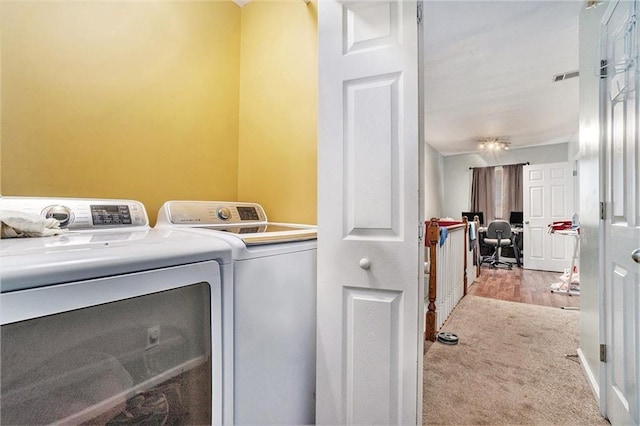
(224, 213)
(62, 214)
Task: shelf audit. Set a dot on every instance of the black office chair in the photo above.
(498, 236)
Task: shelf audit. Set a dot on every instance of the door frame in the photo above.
(605, 209)
(602, 288)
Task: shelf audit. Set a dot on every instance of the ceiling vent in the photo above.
(565, 76)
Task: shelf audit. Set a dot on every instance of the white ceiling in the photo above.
(489, 67)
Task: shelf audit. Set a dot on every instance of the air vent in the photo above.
(565, 76)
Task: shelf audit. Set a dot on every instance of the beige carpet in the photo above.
(509, 367)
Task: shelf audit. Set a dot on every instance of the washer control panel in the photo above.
(211, 213)
(82, 213)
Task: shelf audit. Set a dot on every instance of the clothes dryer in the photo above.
(274, 306)
(111, 321)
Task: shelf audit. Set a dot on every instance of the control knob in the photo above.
(62, 214)
(224, 213)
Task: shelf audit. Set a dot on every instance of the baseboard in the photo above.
(591, 378)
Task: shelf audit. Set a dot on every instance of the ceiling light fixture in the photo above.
(493, 144)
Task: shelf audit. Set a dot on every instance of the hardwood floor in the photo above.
(521, 285)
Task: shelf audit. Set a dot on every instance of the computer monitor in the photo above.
(471, 215)
(516, 218)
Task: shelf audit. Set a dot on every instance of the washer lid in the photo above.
(246, 221)
(269, 233)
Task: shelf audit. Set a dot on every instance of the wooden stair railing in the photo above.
(433, 238)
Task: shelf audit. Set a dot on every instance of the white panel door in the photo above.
(370, 321)
(548, 197)
(622, 222)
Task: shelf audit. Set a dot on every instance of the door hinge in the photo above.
(419, 16)
(420, 232)
(603, 210)
(603, 353)
(603, 68)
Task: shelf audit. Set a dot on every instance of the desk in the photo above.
(516, 237)
(570, 289)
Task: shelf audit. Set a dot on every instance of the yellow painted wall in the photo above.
(120, 99)
(161, 100)
(278, 108)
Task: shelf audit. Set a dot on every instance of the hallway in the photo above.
(515, 363)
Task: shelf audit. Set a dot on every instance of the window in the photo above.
(496, 191)
(499, 185)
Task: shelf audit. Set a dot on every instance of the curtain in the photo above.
(511, 189)
(483, 192)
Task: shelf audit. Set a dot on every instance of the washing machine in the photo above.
(273, 299)
(109, 322)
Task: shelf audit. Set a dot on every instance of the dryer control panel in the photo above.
(81, 213)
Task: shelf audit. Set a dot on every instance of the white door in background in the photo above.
(370, 293)
(548, 197)
(622, 221)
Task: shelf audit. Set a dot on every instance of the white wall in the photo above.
(589, 183)
(434, 183)
(457, 176)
